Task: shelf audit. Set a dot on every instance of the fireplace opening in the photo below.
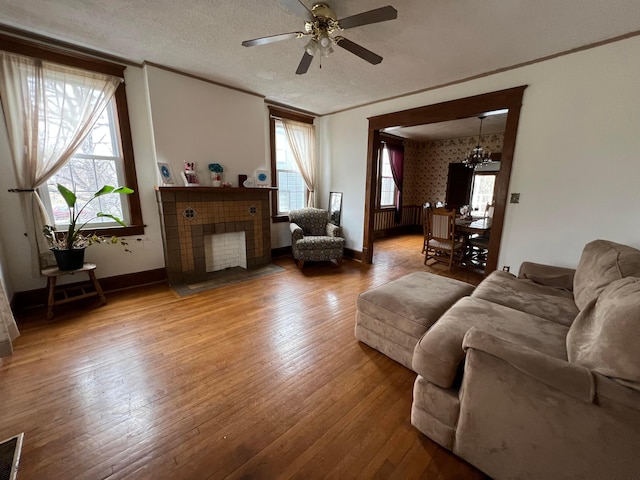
(225, 250)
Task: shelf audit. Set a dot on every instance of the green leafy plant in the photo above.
(73, 237)
(216, 167)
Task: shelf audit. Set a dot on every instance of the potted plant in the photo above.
(216, 174)
(68, 247)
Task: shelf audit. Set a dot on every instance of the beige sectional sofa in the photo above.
(539, 376)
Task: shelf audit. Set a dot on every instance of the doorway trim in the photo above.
(441, 112)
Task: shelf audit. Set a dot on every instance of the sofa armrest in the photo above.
(568, 378)
(548, 275)
(333, 230)
(296, 231)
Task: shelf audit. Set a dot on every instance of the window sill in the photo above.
(117, 231)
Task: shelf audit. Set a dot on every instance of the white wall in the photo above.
(201, 122)
(576, 160)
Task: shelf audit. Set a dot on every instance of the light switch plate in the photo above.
(515, 198)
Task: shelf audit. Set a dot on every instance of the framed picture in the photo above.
(165, 173)
(335, 207)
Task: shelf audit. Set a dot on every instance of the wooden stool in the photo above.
(53, 273)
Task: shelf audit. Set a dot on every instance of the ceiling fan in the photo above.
(320, 23)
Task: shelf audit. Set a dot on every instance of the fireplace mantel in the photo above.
(187, 214)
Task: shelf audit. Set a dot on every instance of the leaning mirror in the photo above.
(335, 207)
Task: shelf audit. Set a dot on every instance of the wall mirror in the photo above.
(335, 207)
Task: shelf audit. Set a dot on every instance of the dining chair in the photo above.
(425, 209)
(478, 245)
(442, 244)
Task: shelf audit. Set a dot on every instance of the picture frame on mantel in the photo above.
(165, 174)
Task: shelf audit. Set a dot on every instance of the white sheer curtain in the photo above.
(49, 109)
(302, 139)
(8, 329)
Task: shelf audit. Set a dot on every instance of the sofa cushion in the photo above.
(601, 263)
(605, 336)
(528, 296)
(439, 353)
(412, 303)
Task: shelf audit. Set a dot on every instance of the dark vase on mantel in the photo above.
(72, 259)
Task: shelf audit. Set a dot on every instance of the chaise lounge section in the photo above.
(539, 376)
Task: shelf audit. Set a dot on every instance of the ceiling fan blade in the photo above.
(381, 14)
(358, 50)
(300, 8)
(304, 64)
(271, 39)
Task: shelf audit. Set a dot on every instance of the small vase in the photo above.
(216, 179)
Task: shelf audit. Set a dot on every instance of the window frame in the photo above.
(385, 138)
(473, 181)
(276, 113)
(75, 59)
(392, 206)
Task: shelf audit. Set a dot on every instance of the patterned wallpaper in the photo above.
(426, 165)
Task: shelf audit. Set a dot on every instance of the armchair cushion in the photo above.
(312, 221)
(547, 275)
(601, 263)
(606, 334)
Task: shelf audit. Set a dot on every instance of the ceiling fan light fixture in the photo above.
(326, 51)
(312, 47)
(324, 40)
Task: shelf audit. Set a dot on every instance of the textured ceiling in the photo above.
(431, 43)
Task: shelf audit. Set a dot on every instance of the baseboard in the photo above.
(404, 230)
(353, 254)
(280, 251)
(38, 297)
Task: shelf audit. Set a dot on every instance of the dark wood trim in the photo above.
(290, 115)
(280, 251)
(35, 298)
(55, 54)
(276, 113)
(441, 112)
(353, 254)
(130, 176)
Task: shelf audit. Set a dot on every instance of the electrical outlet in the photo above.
(506, 268)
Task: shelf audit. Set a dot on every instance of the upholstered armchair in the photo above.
(313, 238)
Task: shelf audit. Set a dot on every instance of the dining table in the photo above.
(479, 226)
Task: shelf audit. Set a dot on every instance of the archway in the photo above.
(510, 99)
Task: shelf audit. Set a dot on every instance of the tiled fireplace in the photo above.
(188, 214)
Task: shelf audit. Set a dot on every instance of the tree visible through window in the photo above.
(96, 163)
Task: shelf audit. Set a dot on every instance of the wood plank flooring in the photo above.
(258, 380)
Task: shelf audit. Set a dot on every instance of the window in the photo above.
(482, 193)
(292, 191)
(106, 155)
(97, 162)
(387, 186)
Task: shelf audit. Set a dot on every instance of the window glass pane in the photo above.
(482, 192)
(291, 187)
(387, 185)
(96, 163)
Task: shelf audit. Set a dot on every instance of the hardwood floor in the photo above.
(258, 380)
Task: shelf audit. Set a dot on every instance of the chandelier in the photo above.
(477, 156)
